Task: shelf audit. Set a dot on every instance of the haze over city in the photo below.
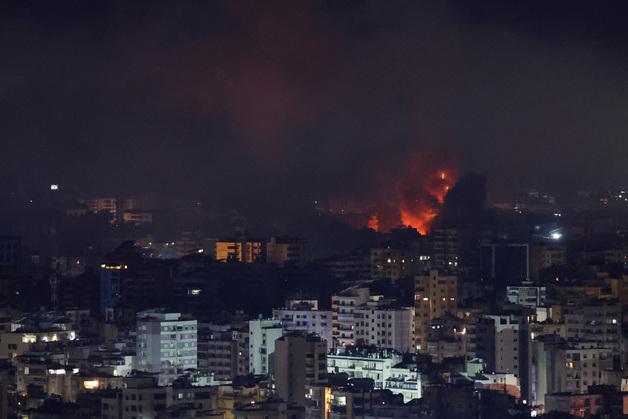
(313, 98)
(313, 209)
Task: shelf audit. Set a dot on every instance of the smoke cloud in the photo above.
(264, 104)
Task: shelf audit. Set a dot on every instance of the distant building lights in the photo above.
(113, 267)
(90, 384)
(556, 235)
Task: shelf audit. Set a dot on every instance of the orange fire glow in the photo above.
(421, 221)
(421, 191)
(373, 222)
(417, 195)
(420, 212)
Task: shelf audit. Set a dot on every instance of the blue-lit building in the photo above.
(110, 287)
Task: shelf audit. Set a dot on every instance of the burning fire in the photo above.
(419, 194)
(420, 204)
(373, 222)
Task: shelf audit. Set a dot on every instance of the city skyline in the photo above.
(313, 209)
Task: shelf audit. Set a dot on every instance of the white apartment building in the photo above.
(559, 366)
(343, 306)
(385, 326)
(305, 317)
(507, 357)
(262, 336)
(382, 368)
(166, 343)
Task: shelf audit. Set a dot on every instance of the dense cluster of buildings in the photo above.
(520, 317)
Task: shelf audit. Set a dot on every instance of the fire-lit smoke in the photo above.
(420, 190)
(420, 203)
(373, 222)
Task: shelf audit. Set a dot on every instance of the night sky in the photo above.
(233, 101)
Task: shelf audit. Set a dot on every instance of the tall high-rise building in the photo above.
(343, 306)
(262, 336)
(110, 287)
(434, 295)
(166, 343)
(300, 361)
(501, 341)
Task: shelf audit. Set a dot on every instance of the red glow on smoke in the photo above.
(420, 188)
(421, 198)
(373, 222)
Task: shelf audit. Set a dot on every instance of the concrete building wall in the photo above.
(434, 295)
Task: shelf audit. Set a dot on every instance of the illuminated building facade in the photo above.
(166, 343)
(343, 307)
(306, 318)
(558, 366)
(382, 367)
(107, 205)
(262, 336)
(23, 340)
(434, 295)
(110, 287)
(243, 251)
(137, 217)
(385, 326)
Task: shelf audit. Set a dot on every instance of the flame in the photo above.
(420, 221)
(421, 191)
(373, 222)
(417, 196)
